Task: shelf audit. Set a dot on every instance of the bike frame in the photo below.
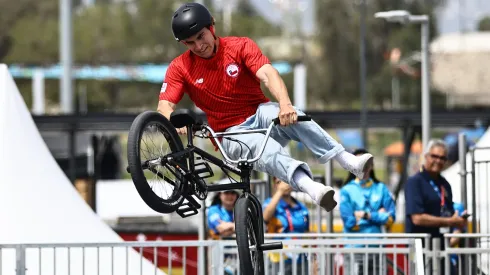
(244, 166)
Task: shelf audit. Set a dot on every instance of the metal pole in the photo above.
(462, 173)
(38, 93)
(300, 85)
(362, 58)
(66, 36)
(426, 120)
(474, 211)
(395, 92)
(20, 254)
(329, 182)
(227, 16)
(202, 236)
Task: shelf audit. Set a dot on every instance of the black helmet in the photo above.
(189, 19)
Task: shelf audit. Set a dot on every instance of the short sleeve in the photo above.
(414, 203)
(172, 89)
(252, 56)
(266, 203)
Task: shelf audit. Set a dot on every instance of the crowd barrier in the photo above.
(311, 253)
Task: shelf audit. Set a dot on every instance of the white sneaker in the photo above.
(366, 162)
(326, 199)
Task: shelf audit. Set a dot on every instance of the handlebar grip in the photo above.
(300, 118)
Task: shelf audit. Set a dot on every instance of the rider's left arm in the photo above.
(273, 81)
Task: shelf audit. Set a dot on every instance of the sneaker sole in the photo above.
(328, 202)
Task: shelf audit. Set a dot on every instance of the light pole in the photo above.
(404, 17)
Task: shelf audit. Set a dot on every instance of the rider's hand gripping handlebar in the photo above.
(300, 118)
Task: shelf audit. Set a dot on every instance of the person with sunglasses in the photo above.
(428, 195)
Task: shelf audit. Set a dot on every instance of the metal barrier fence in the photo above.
(131, 258)
(262, 190)
(326, 254)
(368, 253)
(464, 259)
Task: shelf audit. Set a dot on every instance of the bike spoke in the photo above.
(154, 146)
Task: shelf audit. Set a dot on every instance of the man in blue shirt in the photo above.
(429, 199)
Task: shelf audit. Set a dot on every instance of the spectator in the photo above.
(366, 206)
(429, 199)
(284, 214)
(221, 221)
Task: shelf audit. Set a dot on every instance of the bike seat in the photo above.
(184, 117)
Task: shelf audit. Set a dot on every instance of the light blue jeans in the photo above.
(275, 161)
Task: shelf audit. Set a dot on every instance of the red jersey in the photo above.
(224, 87)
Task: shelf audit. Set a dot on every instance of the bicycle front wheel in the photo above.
(248, 237)
(150, 138)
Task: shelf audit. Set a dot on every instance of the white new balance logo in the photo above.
(200, 80)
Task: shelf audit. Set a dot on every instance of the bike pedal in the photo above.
(270, 246)
(206, 169)
(186, 210)
(192, 202)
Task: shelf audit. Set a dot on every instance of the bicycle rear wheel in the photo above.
(248, 237)
(149, 132)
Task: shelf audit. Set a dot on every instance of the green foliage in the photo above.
(484, 24)
(32, 29)
(139, 32)
(246, 22)
(335, 79)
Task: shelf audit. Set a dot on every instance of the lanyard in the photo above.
(440, 194)
(290, 220)
(226, 214)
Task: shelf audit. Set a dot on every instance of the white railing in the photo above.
(327, 252)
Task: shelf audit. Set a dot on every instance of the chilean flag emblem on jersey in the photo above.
(232, 70)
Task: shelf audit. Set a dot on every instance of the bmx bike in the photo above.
(187, 170)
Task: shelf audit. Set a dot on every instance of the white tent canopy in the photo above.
(40, 205)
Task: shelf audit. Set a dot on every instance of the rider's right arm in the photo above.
(165, 108)
(172, 89)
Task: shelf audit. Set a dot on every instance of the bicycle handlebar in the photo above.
(300, 118)
(267, 131)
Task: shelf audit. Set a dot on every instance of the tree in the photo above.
(246, 22)
(334, 79)
(28, 31)
(484, 24)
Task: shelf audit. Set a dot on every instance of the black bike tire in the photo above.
(134, 162)
(245, 210)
